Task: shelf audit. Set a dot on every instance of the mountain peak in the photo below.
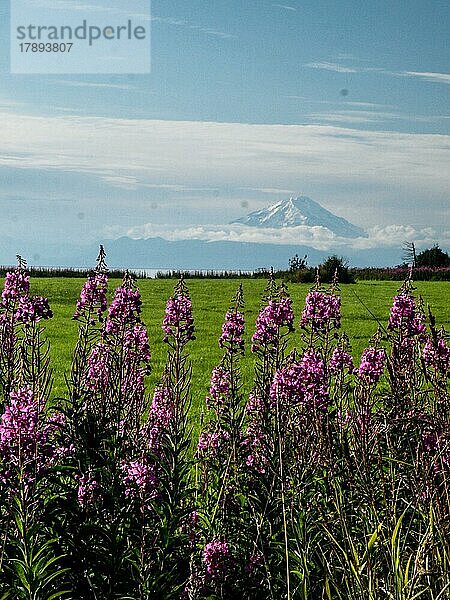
(302, 210)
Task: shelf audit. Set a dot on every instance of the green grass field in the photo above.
(210, 300)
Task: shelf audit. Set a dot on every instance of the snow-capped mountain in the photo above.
(301, 211)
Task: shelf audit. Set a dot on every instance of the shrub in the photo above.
(297, 264)
(402, 272)
(433, 257)
(335, 266)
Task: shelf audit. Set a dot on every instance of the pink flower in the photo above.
(315, 381)
(403, 315)
(136, 343)
(124, 310)
(255, 404)
(136, 358)
(210, 445)
(32, 310)
(302, 382)
(159, 419)
(220, 387)
(372, 364)
(98, 368)
(178, 319)
(437, 355)
(88, 491)
(438, 447)
(217, 559)
(255, 445)
(340, 360)
(321, 310)
(233, 330)
(28, 309)
(287, 385)
(92, 299)
(27, 442)
(271, 319)
(139, 479)
(17, 284)
(19, 427)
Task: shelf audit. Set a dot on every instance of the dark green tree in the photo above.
(335, 265)
(297, 264)
(433, 257)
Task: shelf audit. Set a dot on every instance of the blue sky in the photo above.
(246, 104)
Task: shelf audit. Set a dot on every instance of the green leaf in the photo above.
(374, 537)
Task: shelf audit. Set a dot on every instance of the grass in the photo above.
(362, 305)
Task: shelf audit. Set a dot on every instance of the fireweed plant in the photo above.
(330, 480)
(31, 445)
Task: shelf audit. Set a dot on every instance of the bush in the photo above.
(335, 266)
(403, 272)
(433, 257)
(297, 264)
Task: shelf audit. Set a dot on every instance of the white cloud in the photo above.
(295, 97)
(330, 66)
(285, 7)
(67, 109)
(341, 103)
(434, 77)
(347, 56)
(355, 167)
(371, 116)
(271, 191)
(365, 104)
(354, 116)
(125, 182)
(92, 84)
(319, 238)
(186, 25)
(69, 5)
(338, 68)
(395, 235)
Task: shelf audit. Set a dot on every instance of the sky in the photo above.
(247, 103)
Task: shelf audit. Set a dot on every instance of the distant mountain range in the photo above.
(198, 254)
(159, 253)
(301, 211)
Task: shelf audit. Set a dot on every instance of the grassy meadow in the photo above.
(362, 305)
